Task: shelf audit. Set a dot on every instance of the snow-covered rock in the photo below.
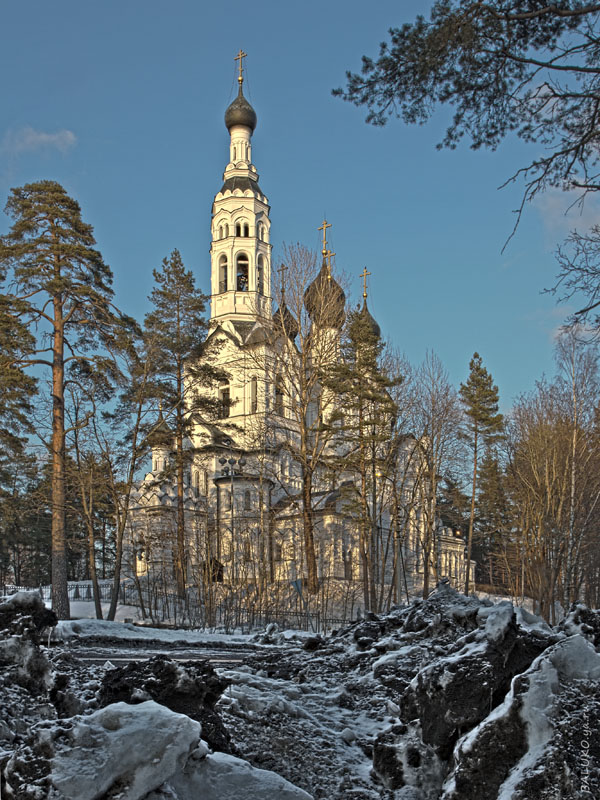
(223, 777)
(136, 748)
(448, 697)
(22, 617)
(191, 688)
(581, 619)
(540, 742)
(26, 604)
(134, 753)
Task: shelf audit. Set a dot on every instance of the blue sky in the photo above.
(123, 102)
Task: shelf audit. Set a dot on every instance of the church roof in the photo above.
(243, 183)
(240, 112)
(325, 300)
(243, 328)
(283, 319)
(160, 435)
(369, 320)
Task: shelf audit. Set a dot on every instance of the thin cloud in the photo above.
(561, 211)
(27, 140)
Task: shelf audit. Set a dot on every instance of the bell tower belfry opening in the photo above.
(240, 250)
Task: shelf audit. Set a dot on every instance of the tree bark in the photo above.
(309, 536)
(60, 591)
(180, 565)
(471, 517)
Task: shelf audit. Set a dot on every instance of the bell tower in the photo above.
(240, 251)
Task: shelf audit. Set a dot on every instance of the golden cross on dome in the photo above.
(240, 56)
(363, 275)
(282, 269)
(323, 228)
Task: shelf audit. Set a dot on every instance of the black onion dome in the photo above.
(283, 319)
(160, 435)
(325, 300)
(368, 319)
(240, 112)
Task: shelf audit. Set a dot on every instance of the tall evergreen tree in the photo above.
(177, 329)
(364, 431)
(493, 517)
(16, 387)
(479, 397)
(64, 290)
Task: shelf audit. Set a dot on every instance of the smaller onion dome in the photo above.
(367, 318)
(325, 300)
(283, 319)
(240, 112)
(160, 435)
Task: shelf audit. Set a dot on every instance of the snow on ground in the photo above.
(83, 609)
(101, 630)
(449, 698)
(147, 750)
(91, 629)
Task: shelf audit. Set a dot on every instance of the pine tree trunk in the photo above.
(309, 537)
(471, 517)
(92, 557)
(180, 565)
(60, 591)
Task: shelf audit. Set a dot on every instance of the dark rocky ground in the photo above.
(446, 698)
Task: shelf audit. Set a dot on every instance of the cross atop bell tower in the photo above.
(240, 57)
(240, 250)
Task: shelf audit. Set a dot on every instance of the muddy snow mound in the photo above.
(190, 688)
(133, 753)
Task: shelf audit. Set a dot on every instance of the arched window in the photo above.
(242, 272)
(247, 550)
(220, 231)
(224, 401)
(235, 153)
(253, 395)
(223, 274)
(260, 275)
(246, 230)
(196, 482)
(204, 482)
(279, 392)
(347, 554)
(278, 550)
(238, 228)
(226, 230)
(247, 500)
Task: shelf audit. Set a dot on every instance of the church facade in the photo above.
(245, 495)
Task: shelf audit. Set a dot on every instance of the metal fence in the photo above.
(168, 610)
(80, 591)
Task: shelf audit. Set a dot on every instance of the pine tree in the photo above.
(64, 290)
(493, 517)
(479, 397)
(16, 387)
(365, 421)
(177, 329)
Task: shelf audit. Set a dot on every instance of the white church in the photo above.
(245, 493)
